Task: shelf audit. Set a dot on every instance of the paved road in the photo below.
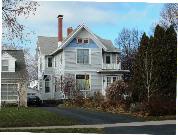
(90, 117)
(155, 130)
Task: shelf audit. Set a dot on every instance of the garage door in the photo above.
(9, 92)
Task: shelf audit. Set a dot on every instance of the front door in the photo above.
(107, 81)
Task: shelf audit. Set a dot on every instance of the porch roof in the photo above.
(112, 71)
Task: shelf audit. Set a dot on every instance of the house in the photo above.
(13, 77)
(32, 89)
(94, 62)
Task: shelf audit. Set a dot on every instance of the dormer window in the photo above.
(5, 65)
(79, 40)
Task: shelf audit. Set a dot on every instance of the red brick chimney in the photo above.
(60, 17)
(69, 30)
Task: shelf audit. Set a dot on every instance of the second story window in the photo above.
(108, 59)
(83, 56)
(5, 65)
(50, 62)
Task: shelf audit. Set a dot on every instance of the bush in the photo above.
(117, 95)
(162, 105)
(116, 91)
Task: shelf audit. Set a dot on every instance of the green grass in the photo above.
(58, 130)
(12, 117)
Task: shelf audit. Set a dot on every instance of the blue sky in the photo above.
(104, 19)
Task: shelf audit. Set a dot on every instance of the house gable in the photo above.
(5, 55)
(83, 34)
(10, 62)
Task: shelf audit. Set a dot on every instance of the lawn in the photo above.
(59, 130)
(12, 117)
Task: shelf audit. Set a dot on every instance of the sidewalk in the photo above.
(164, 122)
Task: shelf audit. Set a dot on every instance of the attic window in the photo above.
(79, 40)
(86, 41)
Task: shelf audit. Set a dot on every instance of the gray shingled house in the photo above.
(13, 77)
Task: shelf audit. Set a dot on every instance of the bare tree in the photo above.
(11, 10)
(21, 91)
(67, 85)
(169, 15)
(128, 41)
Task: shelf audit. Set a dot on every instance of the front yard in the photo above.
(25, 117)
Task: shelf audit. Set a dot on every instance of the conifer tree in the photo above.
(141, 67)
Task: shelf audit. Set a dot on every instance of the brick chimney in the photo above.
(69, 30)
(60, 17)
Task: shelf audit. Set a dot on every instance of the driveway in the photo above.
(92, 117)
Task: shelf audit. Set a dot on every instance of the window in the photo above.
(5, 65)
(83, 56)
(108, 59)
(79, 40)
(114, 79)
(9, 91)
(83, 82)
(47, 83)
(111, 79)
(55, 87)
(86, 41)
(108, 81)
(50, 62)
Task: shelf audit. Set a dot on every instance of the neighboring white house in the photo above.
(33, 84)
(93, 61)
(13, 80)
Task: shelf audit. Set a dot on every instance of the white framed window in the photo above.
(108, 81)
(9, 91)
(79, 41)
(111, 79)
(5, 65)
(108, 59)
(82, 40)
(83, 82)
(83, 56)
(47, 79)
(86, 41)
(50, 62)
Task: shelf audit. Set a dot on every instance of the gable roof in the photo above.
(6, 55)
(47, 45)
(20, 67)
(108, 44)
